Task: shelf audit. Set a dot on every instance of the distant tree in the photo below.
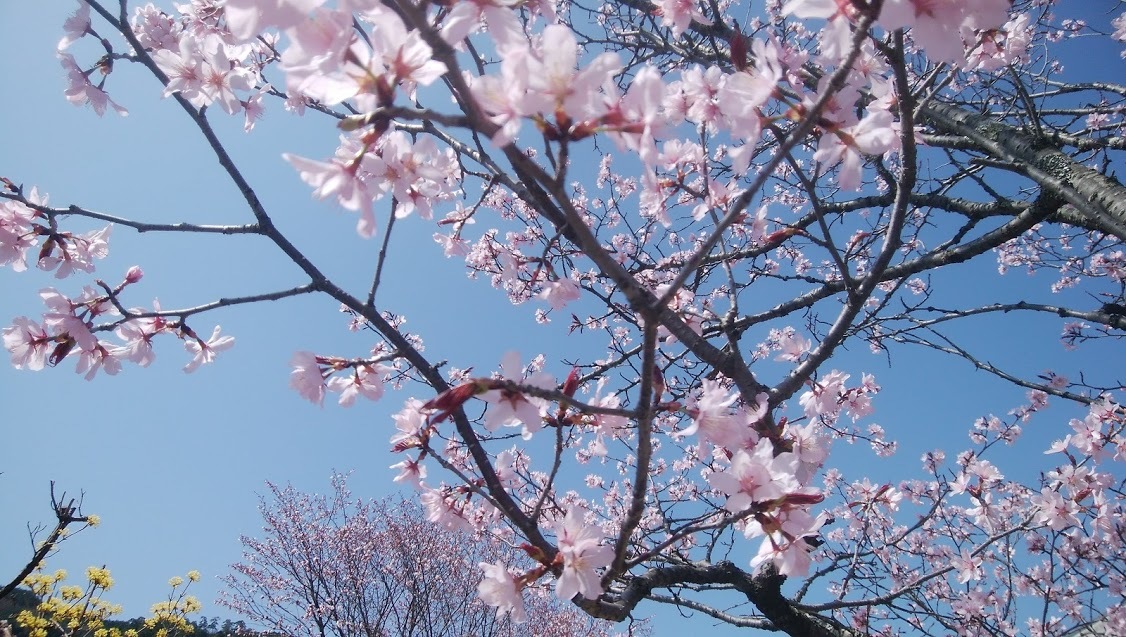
(331, 565)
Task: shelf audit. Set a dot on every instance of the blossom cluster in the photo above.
(69, 326)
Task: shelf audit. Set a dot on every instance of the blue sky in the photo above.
(173, 462)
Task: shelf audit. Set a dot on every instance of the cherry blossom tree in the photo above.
(709, 206)
(333, 565)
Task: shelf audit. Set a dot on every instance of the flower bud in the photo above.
(572, 383)
(802, 499)
(450, 400)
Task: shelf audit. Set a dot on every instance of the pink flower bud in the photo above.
(134, 274)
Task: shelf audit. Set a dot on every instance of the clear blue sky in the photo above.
(172, 462)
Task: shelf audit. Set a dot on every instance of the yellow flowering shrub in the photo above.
(79, 611)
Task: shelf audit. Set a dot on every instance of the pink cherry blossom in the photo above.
(18, 232)
(1055, 511)
(467, 15)
(507, 99)
(580, 546)
(409, 424)
(75, 26)
(511, 408)
(365, 380)
(809, 447)
(246, 18)
(307, 378)
(824, 398)
(873, 135)
(698, 95)
(793, 346)
(137, 335)
(755, 477)
(1119, 34)
(678, 14)
(204, 352)
(404, 54)
(70, 254)
(741, 95)
(635, 120)
(253, 108)
(28, 343)
(185, 70)
(314, 60)
(441, 510)
(411, 471)
(788, 553)
(941, 28)
(967, 565)
(62, 316)
(560, 292)
(102, 357)
(499, 589)
(713, 420)
(155, 29)
(339, 179)
(80, 91)
(222, 77)
(557, 78)
(416, 173)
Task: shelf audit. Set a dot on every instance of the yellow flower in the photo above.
(93, 520)
(192, 605)
(70, 592)
(40, 583)
(193, 576)
(175, 581)
(99, 577)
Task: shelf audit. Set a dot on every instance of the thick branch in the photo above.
(1100, 199)
(764, 590)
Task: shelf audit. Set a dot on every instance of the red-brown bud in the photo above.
(738, 49)
(66, 343)
(534, 552)
(571, 385)
(452, 399)
(802, 499)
